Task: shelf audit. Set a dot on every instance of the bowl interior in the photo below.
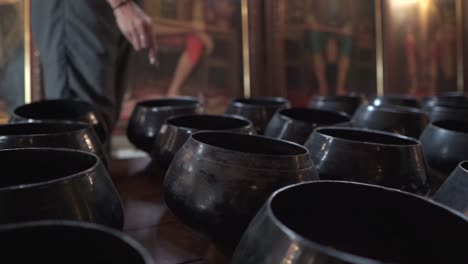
(314, 116)
(262, 101)
(169, 102)
(54, 110)
(453, 125)
(208, 122)
(367, 136)
(32, 166)
(249, 144)
(66, 244)
(372, 222)
(40, 128)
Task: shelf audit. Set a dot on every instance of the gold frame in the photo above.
(27, 51)
(245, 48)
(459, 30)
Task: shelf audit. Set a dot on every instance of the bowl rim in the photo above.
(194, 102)
(276, 102)
(339, 254)
(463, 165)
(86, 104)
(398, 109)
(96, 164)
(257, 155)
(89, 226)
(415, 142)
(313, 109)
(80, 127)
(227, 116)
(436, 125)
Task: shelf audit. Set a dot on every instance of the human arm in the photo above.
(136, 26)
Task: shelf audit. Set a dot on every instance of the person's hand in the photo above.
(207, 41)
(137, 28)
(347, 29)
(199, 26)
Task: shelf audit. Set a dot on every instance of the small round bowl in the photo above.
(368, 156)
(218, 181)
(42, 183)
(52, 134)
(55, 241)
(175, 132)
(344, 222)
(62, 109)
(296, 124)
(401, 100)
(148, 117)
(444, 145)
(454, 191)
(342, 103)
(448, 111)
(259, 110)
(392, 118)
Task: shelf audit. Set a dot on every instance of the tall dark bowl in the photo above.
(296, 124)
(454, 191)
(175, 132)
(148, 117)
(401, 100)
(218, 181)
(69, 242)
(343, 103)
(259, 110)
(368, 156)
(447, 98)
(52, 134)
(448, 111)
(62, 109)
(41, 183)
(341, 222)
(392, 118)
(445, 145)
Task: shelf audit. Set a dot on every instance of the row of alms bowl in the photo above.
(64, 106)
(56, 197)
(208, 185)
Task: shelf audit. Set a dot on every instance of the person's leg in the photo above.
(316, 40)
(187, 61)
(344, 63)
(80, 47)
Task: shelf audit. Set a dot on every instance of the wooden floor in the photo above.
(148, 220)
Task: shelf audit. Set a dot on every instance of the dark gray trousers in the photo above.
(83, 54)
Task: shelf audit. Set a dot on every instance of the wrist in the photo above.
(117, 4)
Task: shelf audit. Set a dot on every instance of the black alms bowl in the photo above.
(41, 183)
(397, 99)
(258, 110)
(55, 241)
(62, 109)
(218, 181)
(295, 124)
(52, 134)
(327, 222)
(368, 156)
(148, 117)
(445, 145)
(175, 132)
(392, 118)
(340, 103)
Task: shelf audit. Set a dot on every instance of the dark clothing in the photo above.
(82, 52)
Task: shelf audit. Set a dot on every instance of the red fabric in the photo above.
(194, 48)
